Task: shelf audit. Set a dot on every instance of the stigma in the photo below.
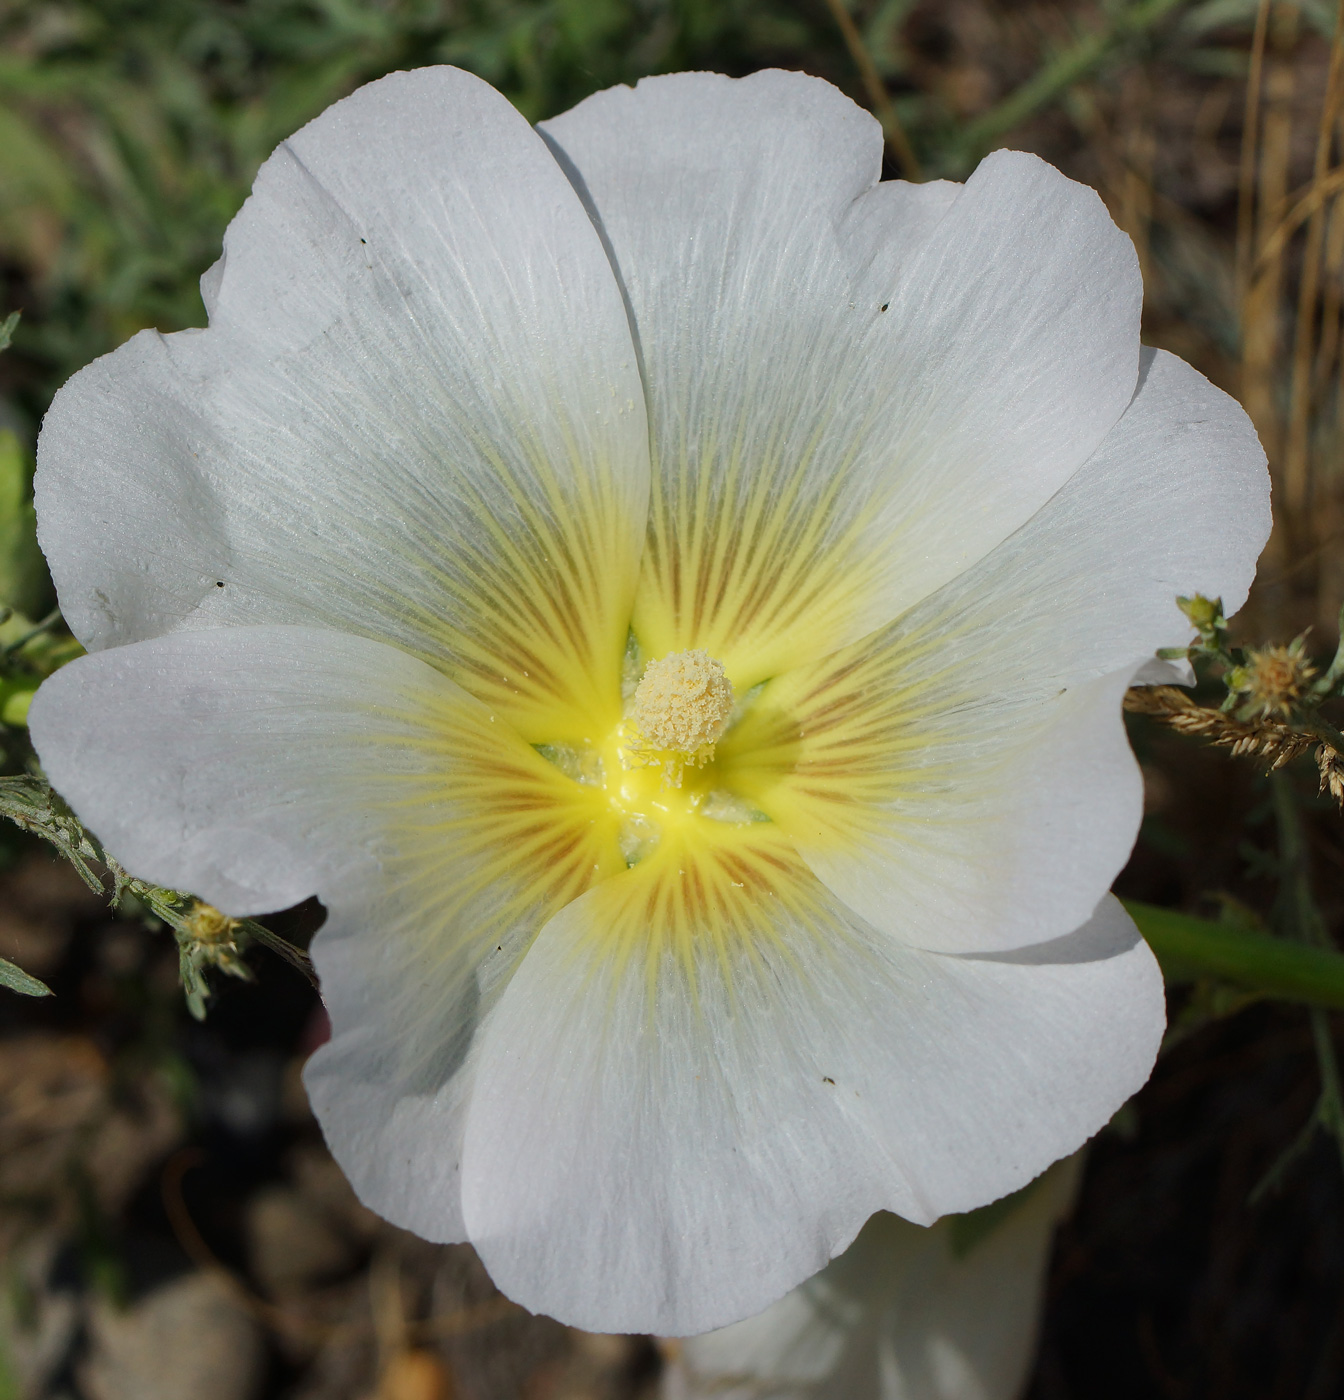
(683, 704)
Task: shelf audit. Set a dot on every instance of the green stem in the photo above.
(1295, 911)
(1322, 729)
(1298, 916)
(1330, 1106)
(1188, 948)
(1326, 684)
(47, 623)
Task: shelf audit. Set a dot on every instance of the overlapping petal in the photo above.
(846, 412)
(904, 1314)
(259, 765)
(705, 1077)
(416, 416)
(962, 779)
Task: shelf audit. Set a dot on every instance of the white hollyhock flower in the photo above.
(656, 1029)
(947, 1313)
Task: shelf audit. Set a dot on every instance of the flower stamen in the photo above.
(683, 704)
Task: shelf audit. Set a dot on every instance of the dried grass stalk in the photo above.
(1274, 741)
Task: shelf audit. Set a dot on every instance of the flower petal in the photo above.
(904, 1311)
(258, 765)
(845, 411)
(707, 1074)
(416, 416)
(962, 779)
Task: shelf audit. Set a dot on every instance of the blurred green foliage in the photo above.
(130, 130)
(23, 574)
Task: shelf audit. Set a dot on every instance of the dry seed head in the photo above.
(1274, 680)
(1331, 765)
(684, 702)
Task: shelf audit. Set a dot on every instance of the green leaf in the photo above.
(15, 698)
(1189, 949)
(31, 805)
(17, 980)
(7, 328)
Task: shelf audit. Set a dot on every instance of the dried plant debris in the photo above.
(1273, 704)
(75, 1139)
(1273, 740)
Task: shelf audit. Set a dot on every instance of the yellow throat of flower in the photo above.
(654, 779)
(657, 768)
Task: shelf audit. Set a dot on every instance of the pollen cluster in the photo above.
(683, 702)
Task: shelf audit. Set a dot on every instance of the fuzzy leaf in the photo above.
(17, 980)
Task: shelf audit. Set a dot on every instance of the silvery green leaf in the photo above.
(17, 980)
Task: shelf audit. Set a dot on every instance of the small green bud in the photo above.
(1206, 614)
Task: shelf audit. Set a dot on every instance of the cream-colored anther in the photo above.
(683, 702)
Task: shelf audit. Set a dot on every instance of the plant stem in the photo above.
(1189, 948)
(878, 96)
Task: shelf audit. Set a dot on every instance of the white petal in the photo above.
(846, 410)
(963, 780)
(1159, 672)
(416, 415)
(256, 766)
(994, 826)
(1175, 501)
(904, 1314)
(668, 1145)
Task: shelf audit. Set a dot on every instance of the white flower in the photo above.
(947, 1313)
(656, 1030)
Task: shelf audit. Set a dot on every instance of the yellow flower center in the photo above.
(656, 767)
(656, 775)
